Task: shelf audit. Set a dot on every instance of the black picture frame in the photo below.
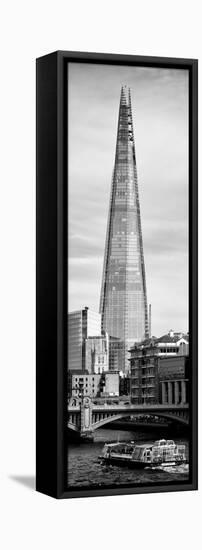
(51, 271)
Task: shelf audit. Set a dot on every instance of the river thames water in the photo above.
(85, 470)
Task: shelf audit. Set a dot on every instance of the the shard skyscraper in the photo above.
(123, 301)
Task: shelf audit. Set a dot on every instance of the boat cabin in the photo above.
(161, 451)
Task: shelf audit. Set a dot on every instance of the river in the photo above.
(85, 471)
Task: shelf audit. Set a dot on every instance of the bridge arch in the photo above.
(180, 418)
(183, 419)
(89, 417)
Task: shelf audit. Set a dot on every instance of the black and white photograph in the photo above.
(100, 226)
(129, 369)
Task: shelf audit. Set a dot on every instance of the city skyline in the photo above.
(164, 199)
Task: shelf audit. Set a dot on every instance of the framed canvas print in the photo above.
(116, 274)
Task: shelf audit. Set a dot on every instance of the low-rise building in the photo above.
(110, 384)
(173, 375)
(82, 384)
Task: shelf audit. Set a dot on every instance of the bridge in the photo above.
(86, 416)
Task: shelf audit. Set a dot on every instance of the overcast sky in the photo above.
(160, 117)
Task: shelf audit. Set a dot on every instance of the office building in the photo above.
(123, 301)
(81, 325)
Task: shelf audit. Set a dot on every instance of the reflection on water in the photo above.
(85, 471)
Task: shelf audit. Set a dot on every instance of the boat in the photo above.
(161, 453)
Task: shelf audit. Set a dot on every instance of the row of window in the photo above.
(76, 391)
(82, 379)
(77, 385)
(168, 350)
(101, 359)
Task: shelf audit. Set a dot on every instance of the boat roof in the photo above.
(155, 444)
(164, 442)
(128, 444)
(145, 445)
(160, 442)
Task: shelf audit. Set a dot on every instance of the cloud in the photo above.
(84, 247)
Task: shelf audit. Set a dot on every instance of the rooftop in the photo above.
(170, 338)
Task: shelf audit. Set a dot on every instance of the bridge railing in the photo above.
(131, 408)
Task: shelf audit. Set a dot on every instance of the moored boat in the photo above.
(161, 453)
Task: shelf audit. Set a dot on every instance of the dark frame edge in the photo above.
(72, 56)
(61, 266)
(46, 274)
(50, 286)
(128, 491)
(193, 261)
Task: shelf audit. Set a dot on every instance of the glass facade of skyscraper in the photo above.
(81, 324)
(123, 303)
